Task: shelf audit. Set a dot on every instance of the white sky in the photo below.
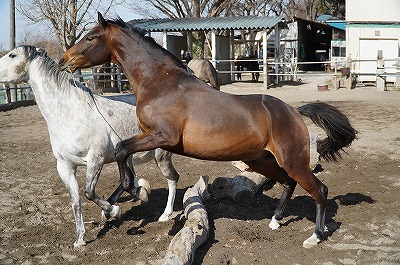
(22, 25)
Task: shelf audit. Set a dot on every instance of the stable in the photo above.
(222, 47)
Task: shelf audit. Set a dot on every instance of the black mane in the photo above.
(119, 22)
(51, 66)
(122, 24)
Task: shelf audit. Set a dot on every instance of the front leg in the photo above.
(67, 173)
(138, 143)
(93, 169)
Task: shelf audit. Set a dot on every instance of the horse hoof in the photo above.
(164, 217)
(79, 244)
(144, 183)
(114, 214)
(274, 224)
(311, 241)
(142, 194)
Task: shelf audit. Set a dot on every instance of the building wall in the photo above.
(373, 10)
(372, 25)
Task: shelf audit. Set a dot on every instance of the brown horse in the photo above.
(201, 68)
(178, 113)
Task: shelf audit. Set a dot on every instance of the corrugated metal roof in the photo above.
(205, 23)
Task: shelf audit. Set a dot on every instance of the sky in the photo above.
(22, 25)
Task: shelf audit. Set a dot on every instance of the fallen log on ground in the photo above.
(241, 188)
(196, 229)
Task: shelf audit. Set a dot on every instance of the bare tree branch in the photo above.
(68, 18)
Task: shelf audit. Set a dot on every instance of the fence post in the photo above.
(398, 73)
(349, 78)
(380, 69)
(335, 80)
(265, 55)
(119, 83)
(95, 78)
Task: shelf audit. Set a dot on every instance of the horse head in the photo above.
(187, 56)
(91, 50)
(14, 65)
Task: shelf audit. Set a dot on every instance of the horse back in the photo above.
(205, 71)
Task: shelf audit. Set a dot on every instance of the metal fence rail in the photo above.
(111, 78)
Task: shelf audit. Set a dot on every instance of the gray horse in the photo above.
(84, 130)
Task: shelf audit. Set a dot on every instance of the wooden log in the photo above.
(196, 229)
(241, 188)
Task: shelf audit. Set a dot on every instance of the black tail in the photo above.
(336, 125)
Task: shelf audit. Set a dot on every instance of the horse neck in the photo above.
(54, 92)
(144, 64)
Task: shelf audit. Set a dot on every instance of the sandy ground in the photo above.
(363, 217)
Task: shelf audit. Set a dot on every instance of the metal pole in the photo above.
(232, 55)
(13, 90)
(398, 73)
(12, 24)
(214, 48)
(276, 44)
(380, 69)
(265, 57)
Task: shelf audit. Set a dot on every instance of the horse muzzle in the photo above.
(63, 64)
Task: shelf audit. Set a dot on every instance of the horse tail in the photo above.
(336, 125)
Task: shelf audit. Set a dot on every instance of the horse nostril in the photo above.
(61, 62)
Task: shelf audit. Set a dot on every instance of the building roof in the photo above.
(337, 24)
(205, 23)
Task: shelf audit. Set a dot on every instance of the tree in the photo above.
(180, 8)
(254, 8)
(68, 19)
(336, 8)
(311, 9)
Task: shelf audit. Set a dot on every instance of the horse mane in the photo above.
(49, 65)
(150, 40)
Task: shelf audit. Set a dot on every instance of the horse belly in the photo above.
(223, 145)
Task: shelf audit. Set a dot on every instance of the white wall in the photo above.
(372, 25)
(373, 10)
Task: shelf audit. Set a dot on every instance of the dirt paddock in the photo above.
(362, 219)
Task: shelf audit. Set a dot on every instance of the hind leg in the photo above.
(320, 194)
(164, 163)
(288, 189)
(270, 168)
(307, 180)
(302, 174)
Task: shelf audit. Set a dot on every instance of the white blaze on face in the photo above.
(13, 67)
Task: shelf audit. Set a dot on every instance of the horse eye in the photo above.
(12, 55)
(90, 38)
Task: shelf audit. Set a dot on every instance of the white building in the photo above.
(373, 25)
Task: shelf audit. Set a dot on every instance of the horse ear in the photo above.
(41, 52)
(101, 20)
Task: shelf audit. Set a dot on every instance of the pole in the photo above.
(380, 69)
(13, 87)
(398, 73)
(265, 57)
